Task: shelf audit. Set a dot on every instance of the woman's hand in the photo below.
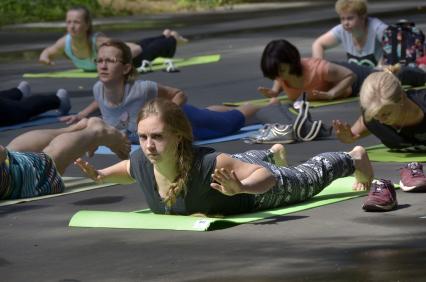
(267, 92)
(46, 61)
(227, 182)
(89, 170)
(344, 132)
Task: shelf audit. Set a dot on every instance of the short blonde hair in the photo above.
(357, 6)
(379, 89)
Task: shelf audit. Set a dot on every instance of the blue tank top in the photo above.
(87, 64)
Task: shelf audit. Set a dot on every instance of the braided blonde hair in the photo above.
(176, 123)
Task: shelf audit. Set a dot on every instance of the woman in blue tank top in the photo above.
(80, 44)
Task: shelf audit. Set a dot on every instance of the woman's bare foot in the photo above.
(363, 169)
(80, 125)
(110, 137)
(280, 155)
(179, 38)
(119, 143)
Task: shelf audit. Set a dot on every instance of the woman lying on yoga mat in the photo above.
(180, 178)
(81, 44)
(32, 164)
(320, 79)
(19, 105)
(395, 116)
(119, 98)
(361, 36)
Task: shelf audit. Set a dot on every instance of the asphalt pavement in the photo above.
(338, 242)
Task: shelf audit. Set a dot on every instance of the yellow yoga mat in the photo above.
(157, 64)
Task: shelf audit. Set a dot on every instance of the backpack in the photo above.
(402, 43)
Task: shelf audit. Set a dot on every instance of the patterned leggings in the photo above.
(299, 183)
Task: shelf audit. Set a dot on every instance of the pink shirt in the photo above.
(315, 72)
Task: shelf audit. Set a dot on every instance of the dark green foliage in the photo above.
(21, 11)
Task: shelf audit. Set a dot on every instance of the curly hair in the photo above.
(357, 6)
(176, 123)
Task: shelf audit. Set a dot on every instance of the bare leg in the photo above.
(280, 155)
(363, 169)
(37, 140)
(66, 148)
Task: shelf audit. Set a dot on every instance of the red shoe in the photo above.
(382, 197)
(412, 178)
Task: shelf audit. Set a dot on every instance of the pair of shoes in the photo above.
(382, 197)
(170, 67)
(273, 133)
(412, 178)
(25, 88)
(145, 67)
(65, 105)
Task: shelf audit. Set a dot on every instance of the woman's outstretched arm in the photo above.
(52, 52)
(117, 173)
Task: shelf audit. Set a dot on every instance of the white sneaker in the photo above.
(170, 67)
(145, 67)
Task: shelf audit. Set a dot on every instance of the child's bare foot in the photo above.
(280, 155)
(363, 169)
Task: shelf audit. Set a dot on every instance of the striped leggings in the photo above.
(299, 183)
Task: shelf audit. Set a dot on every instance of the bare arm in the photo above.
(349, 134)
(174, 94)
(270, 92)
(233, 176)
(341, 78)
(322, 43)
(52, 52)
(117, 173)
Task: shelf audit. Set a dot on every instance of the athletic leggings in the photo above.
(407, 75)
(207, 124)
(14, 108)
(299, 183)
(154, 47)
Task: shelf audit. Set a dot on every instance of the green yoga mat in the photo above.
(339, 190)
(284, 99)
(72, 185)
(380, 153)
(157, 64)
